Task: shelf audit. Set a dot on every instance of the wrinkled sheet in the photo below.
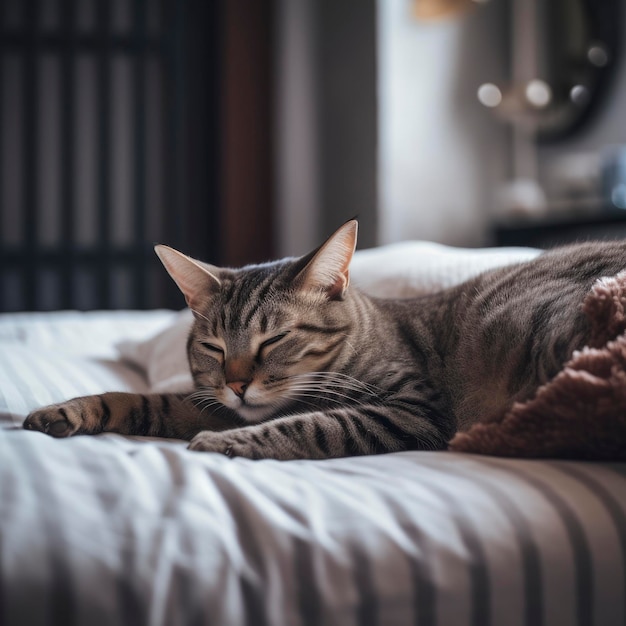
(103, 530)
(129, 531)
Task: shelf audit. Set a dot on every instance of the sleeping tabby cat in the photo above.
(290, 363)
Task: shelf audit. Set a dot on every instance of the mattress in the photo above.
(128, 530)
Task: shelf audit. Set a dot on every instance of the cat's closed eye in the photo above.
(272, 340)
(211, 347)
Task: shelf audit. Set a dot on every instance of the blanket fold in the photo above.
(581, 412)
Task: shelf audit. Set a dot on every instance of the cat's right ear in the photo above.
(327, 269)
(192, 277)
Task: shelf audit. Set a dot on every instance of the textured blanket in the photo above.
(581, 413)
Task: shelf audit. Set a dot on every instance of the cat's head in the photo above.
(263, 333)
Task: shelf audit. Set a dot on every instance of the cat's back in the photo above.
(516, 326)
(579, 264)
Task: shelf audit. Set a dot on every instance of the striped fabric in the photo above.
(127, 531)
(50, 357)
(104, 531)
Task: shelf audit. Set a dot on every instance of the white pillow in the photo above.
(411, 268)
(164, 356)
(398, 270)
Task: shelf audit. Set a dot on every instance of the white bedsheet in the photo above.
(129, 531)
(51, 357)
(106, 530)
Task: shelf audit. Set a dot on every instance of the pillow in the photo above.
(399, 270)
(412, 268)
(164, 356)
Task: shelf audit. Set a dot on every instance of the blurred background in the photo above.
(243, 130)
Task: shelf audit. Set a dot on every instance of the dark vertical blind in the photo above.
(109, 142)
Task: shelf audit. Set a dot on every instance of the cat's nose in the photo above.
(239, 387)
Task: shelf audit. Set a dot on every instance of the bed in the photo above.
(129, 531)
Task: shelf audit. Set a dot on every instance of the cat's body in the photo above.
(288, 362)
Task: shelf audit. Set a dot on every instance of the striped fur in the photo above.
(289, 362)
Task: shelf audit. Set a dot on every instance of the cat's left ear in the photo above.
(198, 281)
(329, 268)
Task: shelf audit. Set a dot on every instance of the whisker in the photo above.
(325, 392)
(204, 400)
(297, 397)
(348, 383)
(341, 378)
(206, 407)
(204, 317)
(332, 385)
(340, 399)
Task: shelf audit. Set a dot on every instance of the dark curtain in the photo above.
(123, 124)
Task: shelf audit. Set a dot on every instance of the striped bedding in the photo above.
(129, 531)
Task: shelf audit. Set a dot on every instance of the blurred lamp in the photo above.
(489, 95)
(433, 9)
(579, 95)
(538, 93)
(598, 54)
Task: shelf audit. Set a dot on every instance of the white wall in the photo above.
(440, 152)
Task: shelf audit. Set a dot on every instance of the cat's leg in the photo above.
(156, 415)
(327, 434)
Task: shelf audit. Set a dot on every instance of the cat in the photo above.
(291, 362)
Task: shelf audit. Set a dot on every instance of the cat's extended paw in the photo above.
(223, 443)
(57, 420)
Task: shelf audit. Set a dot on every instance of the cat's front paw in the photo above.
(223, 443)
(57, 420)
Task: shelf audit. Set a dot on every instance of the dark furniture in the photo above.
(547, 233)
(124, 124)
